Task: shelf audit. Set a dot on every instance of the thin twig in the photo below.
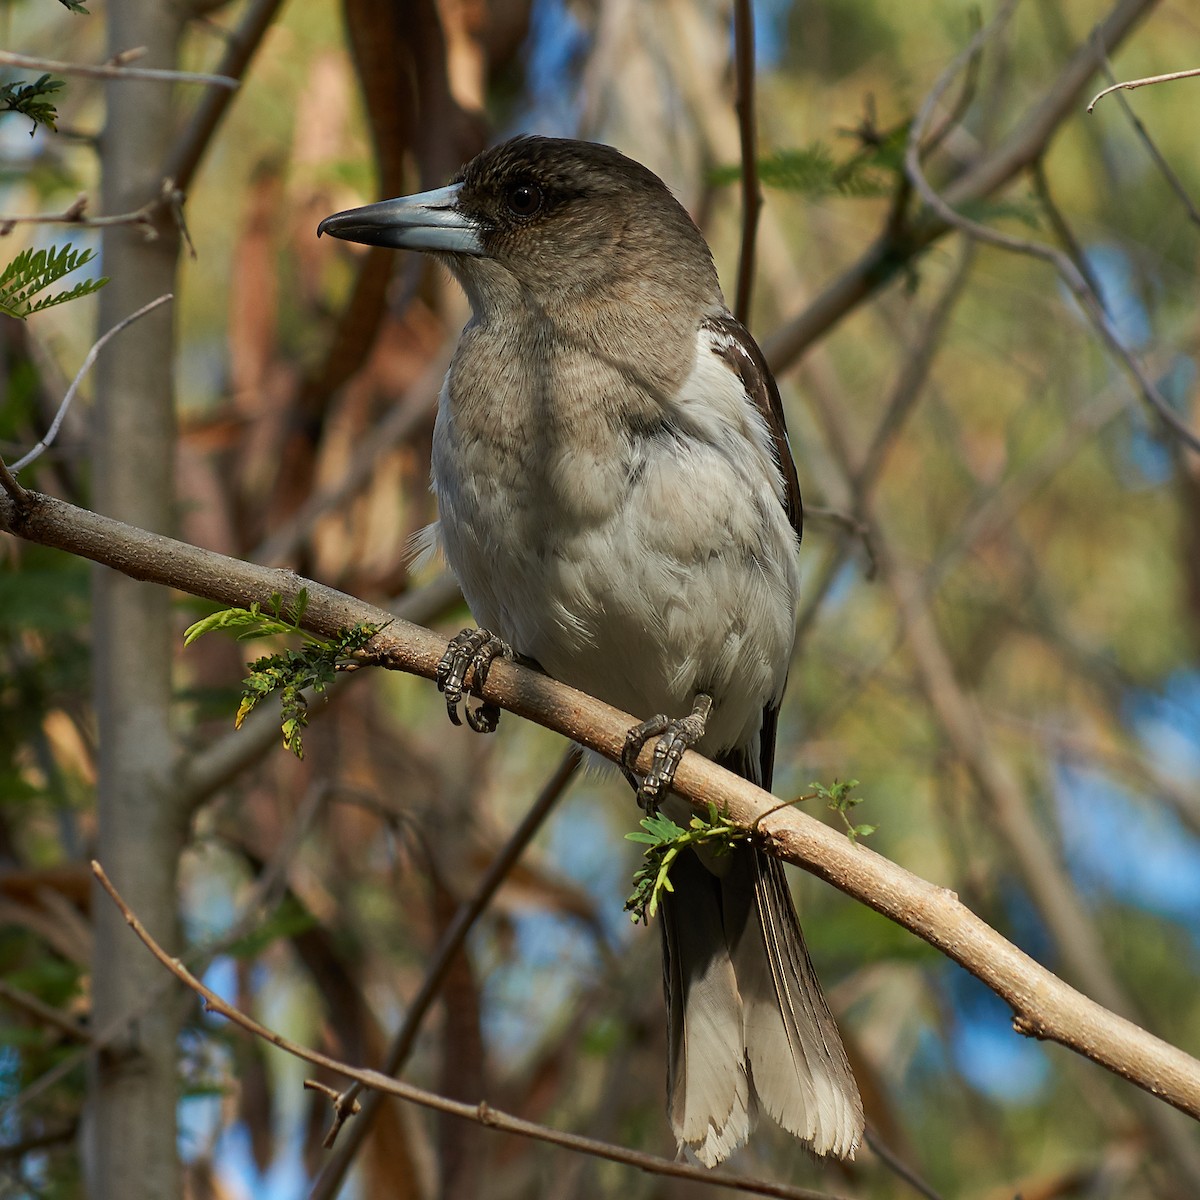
(1066, 269)
(20, 497)
(112, 71)
(898, 1166)
(482, 1112)
(46, 1013)
(743, 37)
(263, 896)
(329, 1181)
(1129, 84)
(73, 214)
(1164, 167)
(90, 358)
(966, 95)
(1066, 235)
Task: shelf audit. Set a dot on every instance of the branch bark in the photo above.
(1044, 1006)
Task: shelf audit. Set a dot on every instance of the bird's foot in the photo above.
(471, 654)
(674, 737)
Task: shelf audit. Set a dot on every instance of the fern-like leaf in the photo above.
(29, 100)
(33, 271)
(813, 171)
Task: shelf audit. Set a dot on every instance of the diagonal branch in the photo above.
(1044, 1006)
(481, 1112)
(329, 1181)
(1068, 272)
(900, 243)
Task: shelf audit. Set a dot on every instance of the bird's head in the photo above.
(548, 221)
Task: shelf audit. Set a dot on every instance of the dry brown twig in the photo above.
(345, 1104)
(1128, 85)
(114, 69)
(74, 214)
(482, 1112)
(262, 896)
(1044, 1005)
(89, 359)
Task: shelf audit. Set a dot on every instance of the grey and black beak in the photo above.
(428, 221)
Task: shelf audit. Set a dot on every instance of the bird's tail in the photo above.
(747, 1025)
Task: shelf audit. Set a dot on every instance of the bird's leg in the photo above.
(674, 737)
(471, 652)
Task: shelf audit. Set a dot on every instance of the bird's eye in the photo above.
(524, 199)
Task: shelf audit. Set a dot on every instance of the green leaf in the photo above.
(32, 271)
(290, 672)
(665, 841)
(28, 100)
(841, 801)
(813, 171)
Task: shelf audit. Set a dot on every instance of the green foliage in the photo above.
(288, 920)
(813, 171)
(1024, 211)
(29, 100)
(33, 271)
(664, 842)
(74, 6)
(292, 671)
(841, 802)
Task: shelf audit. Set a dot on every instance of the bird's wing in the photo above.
(732, 341)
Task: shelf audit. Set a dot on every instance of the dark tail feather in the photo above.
(748, 1026)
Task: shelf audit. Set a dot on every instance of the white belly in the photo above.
(641, 573)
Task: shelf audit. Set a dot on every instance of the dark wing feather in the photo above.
(732, 341)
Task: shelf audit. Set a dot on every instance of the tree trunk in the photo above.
(131, 1151)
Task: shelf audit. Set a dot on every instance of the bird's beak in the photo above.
(428, 221)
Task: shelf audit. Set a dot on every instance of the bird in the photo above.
(618, 500)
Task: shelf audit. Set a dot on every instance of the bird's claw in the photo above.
(674, 737)
(470, 654)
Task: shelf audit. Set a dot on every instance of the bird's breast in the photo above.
(631, 544)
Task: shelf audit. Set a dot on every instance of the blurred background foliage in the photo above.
(1045, 532)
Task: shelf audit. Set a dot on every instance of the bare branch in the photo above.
(1044, 1005)
(1129, 84)
(482, 1112)
(1067, 270)
(113, 70)
(73, 214)
(47, 1014)
(743, 38)
(330, 1180)
(1165, 168)
(900, 243)
(89, 359)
